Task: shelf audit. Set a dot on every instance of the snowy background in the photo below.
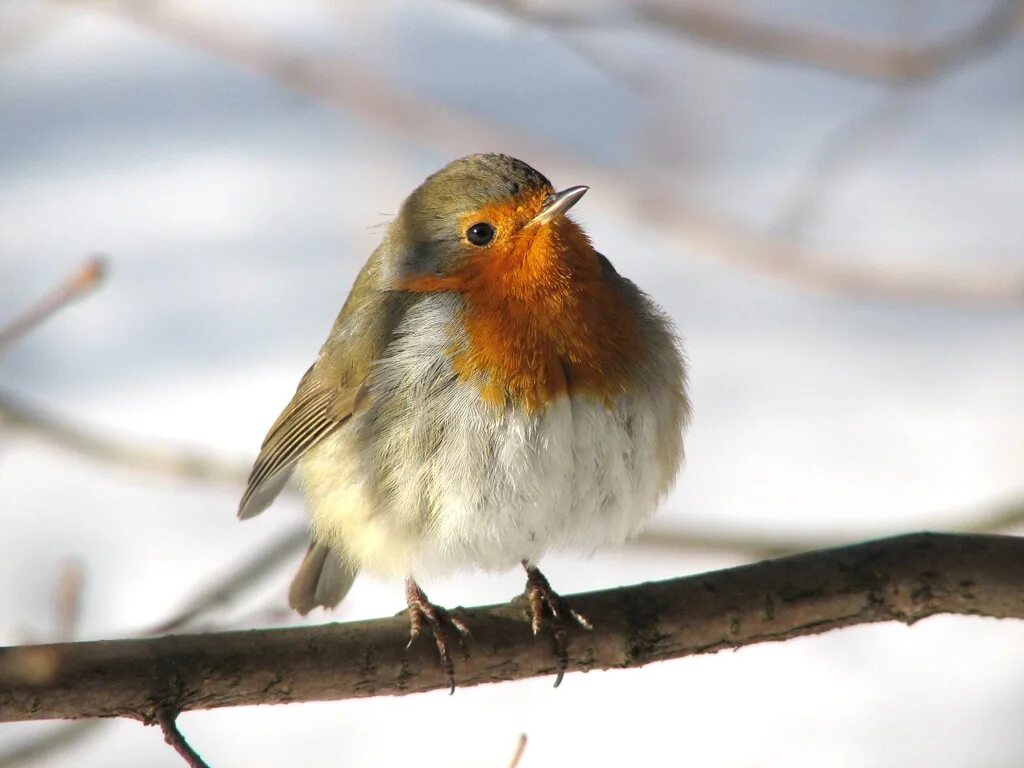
(236, 211)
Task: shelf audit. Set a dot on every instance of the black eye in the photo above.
(480, 233)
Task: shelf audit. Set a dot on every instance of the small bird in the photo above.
(492, 390)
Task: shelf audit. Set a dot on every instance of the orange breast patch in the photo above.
(541, 320)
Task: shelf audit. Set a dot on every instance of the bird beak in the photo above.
(558, 204)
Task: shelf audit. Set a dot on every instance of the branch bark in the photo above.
(906, 578)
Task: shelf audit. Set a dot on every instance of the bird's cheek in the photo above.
(412, 264)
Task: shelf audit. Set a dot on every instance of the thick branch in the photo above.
(906, 578)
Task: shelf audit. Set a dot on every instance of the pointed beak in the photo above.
(558, 204)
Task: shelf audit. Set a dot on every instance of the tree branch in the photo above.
(906, 579)
(85, 279)
(999, 517)
(831, 50)
(177, 463)
(167, 721)
(517, 756)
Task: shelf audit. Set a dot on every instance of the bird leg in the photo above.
(441, 622)
(545, 603)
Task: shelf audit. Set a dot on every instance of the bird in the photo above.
(492, 390)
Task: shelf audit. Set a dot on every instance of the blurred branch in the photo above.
(905, 579)
(832, 50)
(874, 277)
(238, 579)
(517, 756)
(220, 592)
(566, 30)
(453, 130)
(754, 545)
(840, 152)
(82, 283)
(178, 463)
(68, 600)
(848, 145)
(721, 26)
(999, 518)
(28, 28)
(61, 737)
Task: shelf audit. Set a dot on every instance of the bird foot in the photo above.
(546, 605)
(441, 623)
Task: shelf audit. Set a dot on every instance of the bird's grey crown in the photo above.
(500, 172)
(472, 182)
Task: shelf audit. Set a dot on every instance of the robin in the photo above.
(491, 390)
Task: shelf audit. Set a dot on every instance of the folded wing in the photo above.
(314, 412)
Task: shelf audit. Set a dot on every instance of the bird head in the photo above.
(486, 209)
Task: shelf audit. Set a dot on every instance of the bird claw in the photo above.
(546, 605)
(441, 622)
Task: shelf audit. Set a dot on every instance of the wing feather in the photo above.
(315, 411)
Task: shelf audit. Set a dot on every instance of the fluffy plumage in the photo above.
(473, 406)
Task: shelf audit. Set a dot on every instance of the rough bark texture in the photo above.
(905, 578)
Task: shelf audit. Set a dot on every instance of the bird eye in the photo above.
(480, 233)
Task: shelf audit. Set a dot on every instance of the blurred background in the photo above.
(826, 198)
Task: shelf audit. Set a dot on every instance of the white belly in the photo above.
(431, 479)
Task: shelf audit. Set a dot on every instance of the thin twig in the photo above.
(169, 725)
(906, 579)
(571, 36)
(846, 147)
(839, 153)
(82, 283)
(68, 600)
(517, 756)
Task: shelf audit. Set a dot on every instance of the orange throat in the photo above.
(542, 319)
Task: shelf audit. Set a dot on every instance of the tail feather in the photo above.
(323, 579)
